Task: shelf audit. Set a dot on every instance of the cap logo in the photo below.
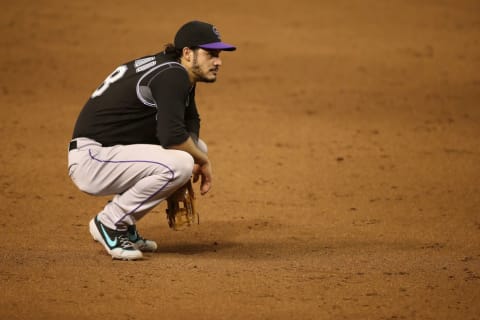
(214, 29)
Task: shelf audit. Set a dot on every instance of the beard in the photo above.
(200, 75)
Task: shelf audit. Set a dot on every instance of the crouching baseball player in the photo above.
(137, 137)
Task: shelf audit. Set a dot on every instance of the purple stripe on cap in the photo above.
(218, 46)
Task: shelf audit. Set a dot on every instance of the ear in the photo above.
(187, 54)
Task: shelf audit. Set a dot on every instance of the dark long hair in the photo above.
(170, 50)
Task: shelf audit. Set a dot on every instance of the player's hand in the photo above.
(205, 173)
(196, 172)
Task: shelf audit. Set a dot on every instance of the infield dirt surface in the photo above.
(344, 137)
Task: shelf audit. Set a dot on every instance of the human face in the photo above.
(205, 65)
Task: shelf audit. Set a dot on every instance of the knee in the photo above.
(202, 146)
(183, 166)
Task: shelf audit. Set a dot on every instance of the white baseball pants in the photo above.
(140, 176)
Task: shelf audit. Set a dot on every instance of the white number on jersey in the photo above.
(114, 76)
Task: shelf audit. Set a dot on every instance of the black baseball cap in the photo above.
(200, 34)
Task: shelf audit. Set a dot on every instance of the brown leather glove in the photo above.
(181, 211)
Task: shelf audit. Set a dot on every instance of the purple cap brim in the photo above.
(218, 46)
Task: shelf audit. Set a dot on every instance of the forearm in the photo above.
(189, 146)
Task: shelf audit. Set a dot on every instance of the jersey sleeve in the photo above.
(192, 119)
(170, 90)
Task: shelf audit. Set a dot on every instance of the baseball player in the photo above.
(137, 137)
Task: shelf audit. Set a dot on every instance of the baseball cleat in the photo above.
(116, 242)
(139, 242)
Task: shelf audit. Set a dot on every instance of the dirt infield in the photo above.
(345, 142)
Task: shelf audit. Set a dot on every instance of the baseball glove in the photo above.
(181, 212)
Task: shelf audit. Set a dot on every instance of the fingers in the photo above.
(196, 172)
(205, 187)
(195, 177)
(206, 184)
(205, 173)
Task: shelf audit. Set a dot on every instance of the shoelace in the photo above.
(125, 242)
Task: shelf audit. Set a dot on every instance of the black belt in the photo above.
(72, 145)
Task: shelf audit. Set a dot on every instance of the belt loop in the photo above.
(72, 145)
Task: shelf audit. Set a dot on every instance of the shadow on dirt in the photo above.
(259, 239)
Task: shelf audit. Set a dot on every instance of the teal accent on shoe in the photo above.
(133, 236)
(111, 244)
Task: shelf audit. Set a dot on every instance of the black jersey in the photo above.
(149, 100)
